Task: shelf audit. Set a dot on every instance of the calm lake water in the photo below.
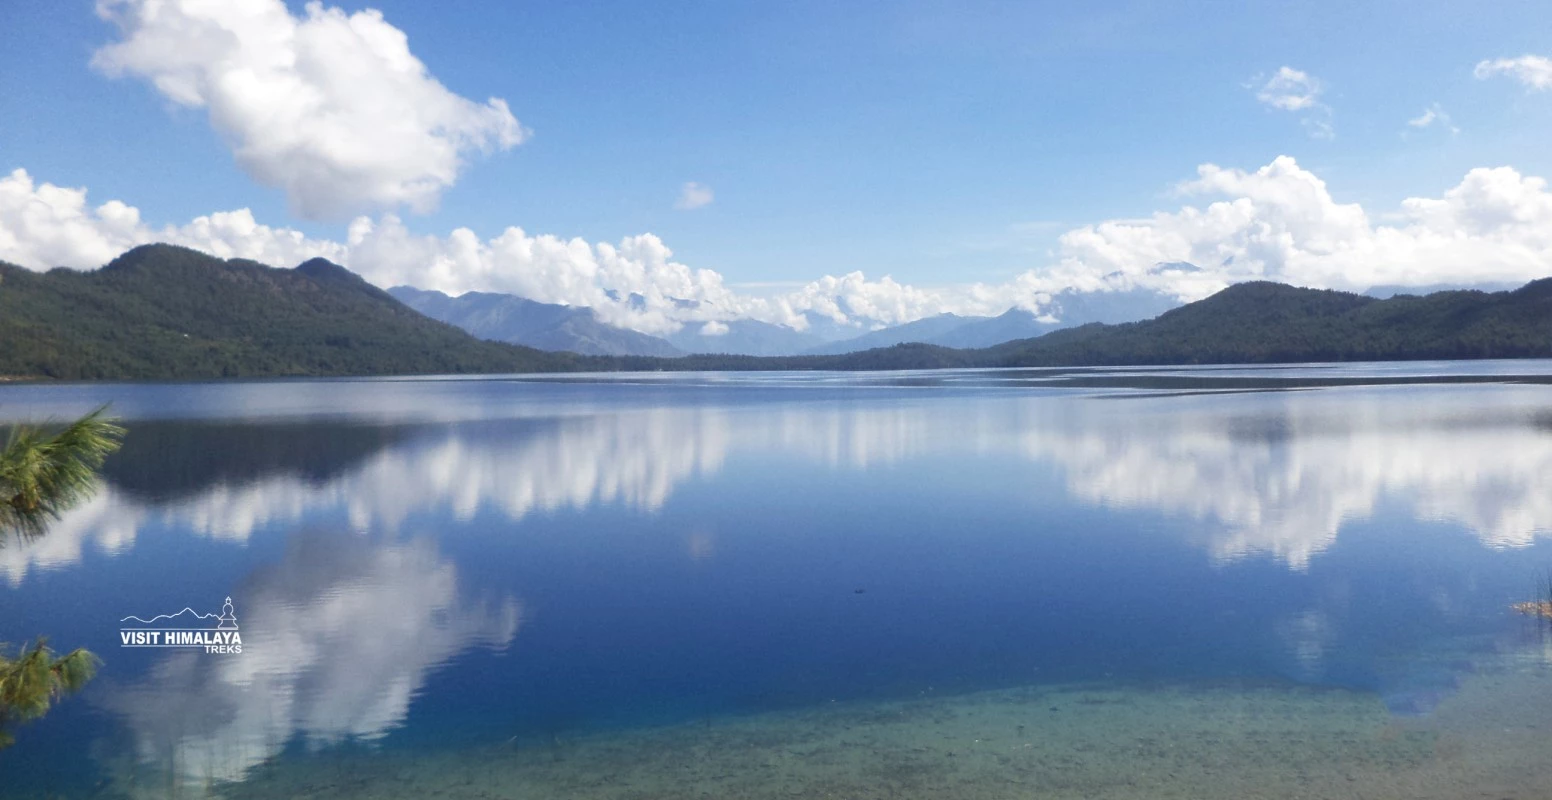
(1276, 582)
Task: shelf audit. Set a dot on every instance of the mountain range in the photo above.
(516, 320)
(1067, 309)
(546, 326)
(165, 312)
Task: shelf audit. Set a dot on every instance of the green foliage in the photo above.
(43, 473)
(31, 681)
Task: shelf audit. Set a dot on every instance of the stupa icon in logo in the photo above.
(227, 619)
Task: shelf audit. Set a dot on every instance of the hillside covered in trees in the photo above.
(1265, 322)
(160, 311)
(164, 312)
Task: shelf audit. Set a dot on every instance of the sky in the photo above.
(868, 162)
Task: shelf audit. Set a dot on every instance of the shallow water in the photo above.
(1210, 582)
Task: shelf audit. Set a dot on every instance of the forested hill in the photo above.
(160, 311)
(1269, 322)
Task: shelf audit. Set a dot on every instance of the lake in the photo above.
(1193, 583)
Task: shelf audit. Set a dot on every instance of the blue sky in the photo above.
(940, 143)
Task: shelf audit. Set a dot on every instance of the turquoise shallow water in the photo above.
(1198, 583)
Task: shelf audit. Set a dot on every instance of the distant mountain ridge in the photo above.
(1067, 309)
(546, 326)
(747, 337)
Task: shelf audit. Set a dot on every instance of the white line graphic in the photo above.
(170, 616)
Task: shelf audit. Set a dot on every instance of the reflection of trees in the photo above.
(338, 639)
(165, 461)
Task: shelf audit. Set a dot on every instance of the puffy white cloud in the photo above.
(43, 226)
(694, 195)
(1533, 71)
(1289, 89)
(331, 107)
(1279, 222)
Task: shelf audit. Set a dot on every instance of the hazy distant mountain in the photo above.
(922, 330)
(160, 311)
(1070, 308)
(824, 329)
(745, 337)
(546, 326)
(1015, 323)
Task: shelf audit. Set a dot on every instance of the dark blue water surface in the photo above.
(446, 563)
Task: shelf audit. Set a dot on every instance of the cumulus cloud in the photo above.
(1289, 89)
(1279, 222)
(43, 226)
(694, 195)
(331, 107)
(1535, 72)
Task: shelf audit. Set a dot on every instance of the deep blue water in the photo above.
(449, 563)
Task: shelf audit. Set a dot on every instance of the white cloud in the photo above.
(1294, 90)
(1290, 89)
(1434, 115)
(1279, 222)
(694, 195)
(43, 226)
(331, 107)
(714, 328)
(1533, 71)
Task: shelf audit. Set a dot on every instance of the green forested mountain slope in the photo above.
(160, 311)
(1264, 322)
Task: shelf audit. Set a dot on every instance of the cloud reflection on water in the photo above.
(1279, 474)
(338, 638)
